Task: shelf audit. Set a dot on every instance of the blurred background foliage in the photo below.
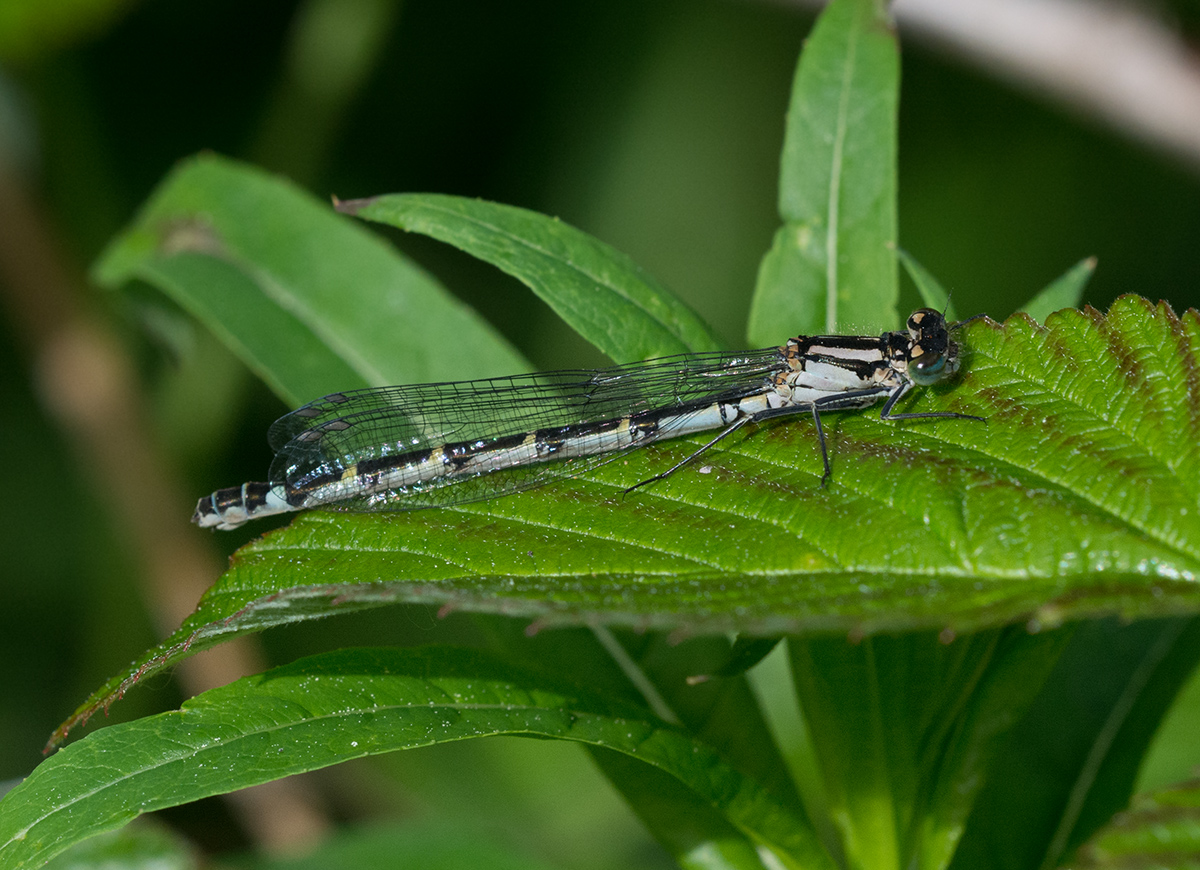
(654, 126)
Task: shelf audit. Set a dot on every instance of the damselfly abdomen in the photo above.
(431, 445)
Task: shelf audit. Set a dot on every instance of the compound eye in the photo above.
(924, 319)
(928, 369)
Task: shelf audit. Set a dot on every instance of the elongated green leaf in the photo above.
(698, 836)
(268, 269)
(1077, 497)
(1071, 763)
(1165, 655)
(600, 292)
(1161, 829)
(906, 728)
(745, 654)
(977, 724)
(721, 712)
(1063, 292)
(661, 671)
(933, 294)
(349, 704)
(831, 267)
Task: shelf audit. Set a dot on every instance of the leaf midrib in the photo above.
(566, 260)
(344, 713)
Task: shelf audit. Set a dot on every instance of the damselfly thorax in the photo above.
(431, 445)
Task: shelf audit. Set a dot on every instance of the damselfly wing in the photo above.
(433, 445)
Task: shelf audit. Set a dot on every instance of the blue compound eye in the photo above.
(927, 369)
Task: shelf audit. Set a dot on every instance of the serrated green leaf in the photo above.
(350, 704)
(1066, 291)
(831, 266)
(1077, 497)
(267, 268)
(601, 293)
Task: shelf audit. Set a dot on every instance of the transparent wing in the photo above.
(334, 433)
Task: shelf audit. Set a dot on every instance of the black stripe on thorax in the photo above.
(864, 354)
(821, 345)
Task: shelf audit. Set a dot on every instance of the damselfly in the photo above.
(432, 445)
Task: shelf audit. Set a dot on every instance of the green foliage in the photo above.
(133, 847)
(1064, 292)
(596, 289)
(432, 848)
(831, 264)
(1071, 762)
(965, 547)
(1159, 827)
(309, 302)
(966, 562)
(349, 704)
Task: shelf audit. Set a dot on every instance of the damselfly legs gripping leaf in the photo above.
(431, 445)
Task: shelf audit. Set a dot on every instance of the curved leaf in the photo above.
(722, 712)
(696, 834)
(266, 267)
(1071, 763)
(349, 704)
(1160, 829)
(597, 290)
(1078, 496)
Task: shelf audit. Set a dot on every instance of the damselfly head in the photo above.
(932, 356)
